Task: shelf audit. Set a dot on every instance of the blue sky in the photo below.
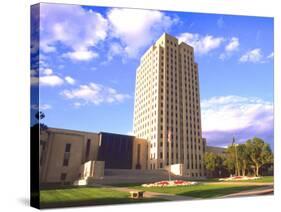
(89, 55)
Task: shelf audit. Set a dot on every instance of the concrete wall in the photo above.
(82, 162)
(177, 169)
(92, 169)
(56, 140)
(140, 156)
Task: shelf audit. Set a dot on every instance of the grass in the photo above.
(201, 190)
(86, 196)
(264, 179)
(82, 196)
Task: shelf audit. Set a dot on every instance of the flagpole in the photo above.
(236, 156)
(170, 147)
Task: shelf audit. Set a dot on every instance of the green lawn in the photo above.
(265, 179)
(201, 190)
(80, 196)
(86, 196)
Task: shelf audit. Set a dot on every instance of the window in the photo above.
(66, 154)
(88, 149)
(63, 176)
(67, 147)
(66, 159)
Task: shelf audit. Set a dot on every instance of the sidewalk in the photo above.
(255, 192)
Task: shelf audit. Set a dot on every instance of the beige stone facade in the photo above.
(63, 152)
(140, 153)
(69, 155)
(167, 101)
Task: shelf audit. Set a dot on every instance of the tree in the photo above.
(243, 158)
(259, 153)
(209, 161)
(39, 116)
(230, 159)
(213, 163)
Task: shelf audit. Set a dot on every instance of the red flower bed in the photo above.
(178, 182)
(170, 183)
(163, 183)
(237, 177)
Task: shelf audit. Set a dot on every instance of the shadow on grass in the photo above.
(64, 187)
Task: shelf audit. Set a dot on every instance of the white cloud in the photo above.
(81, 55)
(47, 71)
(95, 94)
(46, 77)
(50, 80)
(69, 80)
(41, 107)
(222, 56)
(81, 30)
(45, 107)
(233, 45)
(114, 49)
(77, 104)
(201, 44)
(253, 56)
(74, 27)
(137, 28)
(232, 113)
(271, 55)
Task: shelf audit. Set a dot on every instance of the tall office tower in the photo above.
(167, 107)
